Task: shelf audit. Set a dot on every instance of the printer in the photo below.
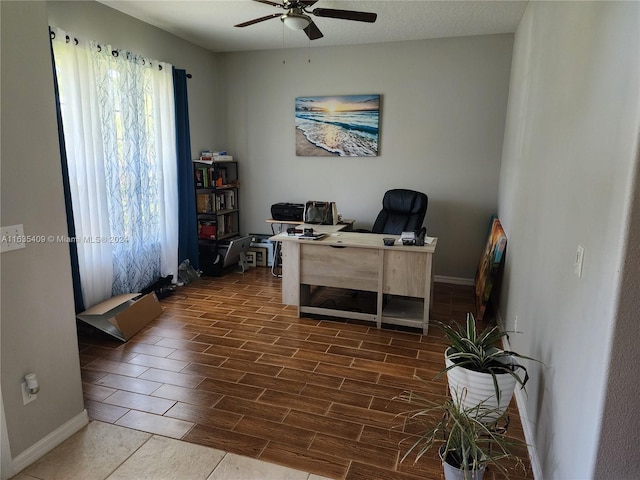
(287, 212)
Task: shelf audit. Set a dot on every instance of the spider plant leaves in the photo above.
(462, 433)
(480, 352)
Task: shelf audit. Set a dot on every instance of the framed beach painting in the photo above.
(344, 126)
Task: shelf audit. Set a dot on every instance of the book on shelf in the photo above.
(230, 199)
(212, 176)
(201, 177)
(206, 156)
(205, 177)
(204, 160)
(221, 179)
(210, 157)
(207, 230)
(220, 201)
(203, 203)
(221, 225)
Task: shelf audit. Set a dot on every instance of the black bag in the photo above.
(210, 260)
(320, 213)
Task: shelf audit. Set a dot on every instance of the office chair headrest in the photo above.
(405, 201)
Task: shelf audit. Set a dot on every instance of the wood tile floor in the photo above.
(228, 366)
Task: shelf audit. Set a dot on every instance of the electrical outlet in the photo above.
(12, 238)
(577, 263)
(26, 396)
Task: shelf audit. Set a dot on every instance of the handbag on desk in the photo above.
(321, 213)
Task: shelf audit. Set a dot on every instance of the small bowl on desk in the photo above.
(388, 241)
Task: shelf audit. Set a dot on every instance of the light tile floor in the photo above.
(103, 451)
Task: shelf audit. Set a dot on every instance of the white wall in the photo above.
(568, 160)
(442, 121)
(38, 320)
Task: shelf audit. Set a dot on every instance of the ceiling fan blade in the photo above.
(313, 32)
(258, 20)
(273, 4)
(308, 3)
(346, 14)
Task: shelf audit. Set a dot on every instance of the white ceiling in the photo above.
(210, 23)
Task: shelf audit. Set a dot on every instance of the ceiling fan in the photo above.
(297, 16)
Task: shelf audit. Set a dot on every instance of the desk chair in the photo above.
(402, 211)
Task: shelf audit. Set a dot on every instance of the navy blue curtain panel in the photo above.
(71, 228)
(187, 223)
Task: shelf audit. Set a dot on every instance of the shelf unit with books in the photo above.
(217, 206)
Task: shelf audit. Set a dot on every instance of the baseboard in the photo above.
(454, 280)
(48, 443)
(524, 416)
(528, 434)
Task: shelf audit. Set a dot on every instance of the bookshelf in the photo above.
(217, 208)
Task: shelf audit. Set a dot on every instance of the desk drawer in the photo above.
(405, 273)
(348, 267)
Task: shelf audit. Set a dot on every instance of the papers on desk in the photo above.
(313, 236)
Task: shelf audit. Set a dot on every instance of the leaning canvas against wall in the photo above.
(345, 126)
(489, 266)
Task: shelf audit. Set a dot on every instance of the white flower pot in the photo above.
(477, 387)
(454, 473)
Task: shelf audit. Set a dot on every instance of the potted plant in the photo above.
(475, 364)
(467, 443)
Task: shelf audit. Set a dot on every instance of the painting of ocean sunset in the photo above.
(345, 126)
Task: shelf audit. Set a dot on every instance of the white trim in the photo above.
(454, 280)
(48, 443)
(524, 416)
(528, 433)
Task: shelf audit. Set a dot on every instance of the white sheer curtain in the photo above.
(119, 127)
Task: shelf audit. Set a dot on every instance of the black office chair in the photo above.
(402, 211)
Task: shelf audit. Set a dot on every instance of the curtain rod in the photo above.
(115, 53)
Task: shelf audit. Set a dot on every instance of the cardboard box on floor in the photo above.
(124, 315)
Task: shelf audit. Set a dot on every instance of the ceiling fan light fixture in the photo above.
(296, 21)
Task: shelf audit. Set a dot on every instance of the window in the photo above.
(119, 130)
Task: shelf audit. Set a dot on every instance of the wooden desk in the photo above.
(360, 261)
